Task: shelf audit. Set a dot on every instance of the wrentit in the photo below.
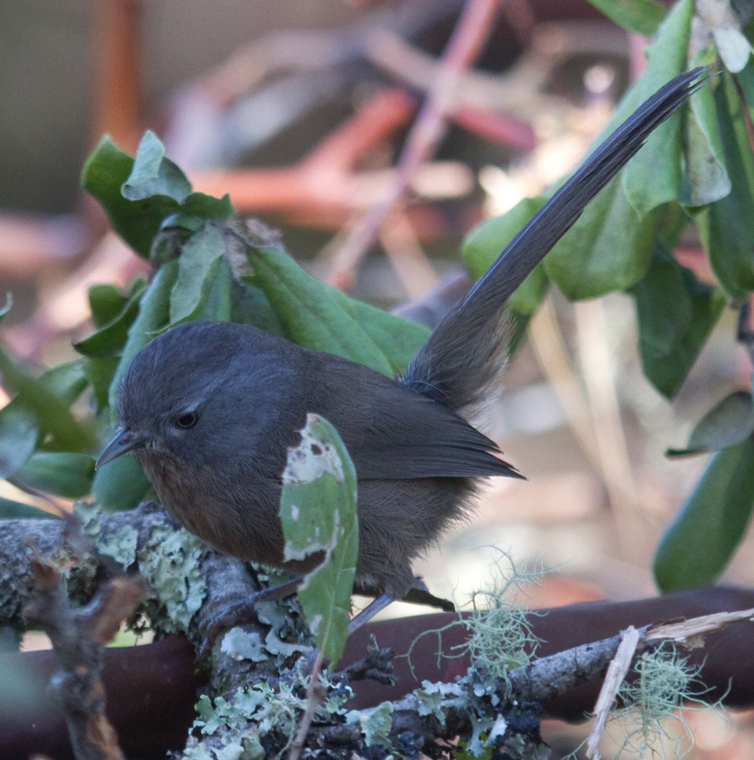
(210, 409)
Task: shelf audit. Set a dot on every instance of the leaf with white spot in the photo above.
(318, 511)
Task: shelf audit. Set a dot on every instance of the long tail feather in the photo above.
(464, 354)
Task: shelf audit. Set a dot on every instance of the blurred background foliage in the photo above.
(300, 112)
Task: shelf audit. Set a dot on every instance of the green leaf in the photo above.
(154, 174)
(249, 305)
(198, 266)
(67, 381)
(652, 177)
(398, 339)
(726, 227)
(106, 302)
(697, 547)
(154, 315)
(100, 374)
(110, 339)
(734, 48)
(61, 473)
(705, 179)
(50, 408)
(310, 312)
(137, 222)
(215, 303)
(18, 437)
(638, 16)
(318, 511)
(745, 80)
(607, 249)
(10, 509)
(726, 424)
(155, 189)
(676, 314)
(120, 484)
(208, 207)
(663, 304)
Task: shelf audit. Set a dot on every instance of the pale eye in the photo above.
(186, 421)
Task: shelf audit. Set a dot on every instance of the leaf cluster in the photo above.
(695, 169)
(208, 265)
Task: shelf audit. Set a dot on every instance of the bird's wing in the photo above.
(393, 434)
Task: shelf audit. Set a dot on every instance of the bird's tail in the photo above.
(464, 355)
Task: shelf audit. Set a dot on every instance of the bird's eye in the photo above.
(186, 421)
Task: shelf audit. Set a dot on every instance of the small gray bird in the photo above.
(210, 409)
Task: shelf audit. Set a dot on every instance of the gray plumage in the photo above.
(210, 409)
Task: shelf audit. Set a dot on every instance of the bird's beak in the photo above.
(124, 440)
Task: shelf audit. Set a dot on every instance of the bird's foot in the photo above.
(239, 613)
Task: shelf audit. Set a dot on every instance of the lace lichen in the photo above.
(500, 638)
(500, 635)
(666, 685)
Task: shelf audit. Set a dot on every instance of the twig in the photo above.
(377, 665)
(520, 89)
(78, 637)
(406, 255)
(552, 355)
(549, 677)
(686, 633)
(689, 633)
(464, 46)
(314, 697)
(313, 50)
(616, 673)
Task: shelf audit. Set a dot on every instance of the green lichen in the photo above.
(436, 698)
(255, 712)
(243, 645)
(376, 723)
(121, 545)
(88, 513)
(500, 638)
(288, 634)
(248, 749)
(500, 635)
(169, 561)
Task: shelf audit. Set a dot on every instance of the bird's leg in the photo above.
(417, 594)
(303, 667)
(376, 605)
